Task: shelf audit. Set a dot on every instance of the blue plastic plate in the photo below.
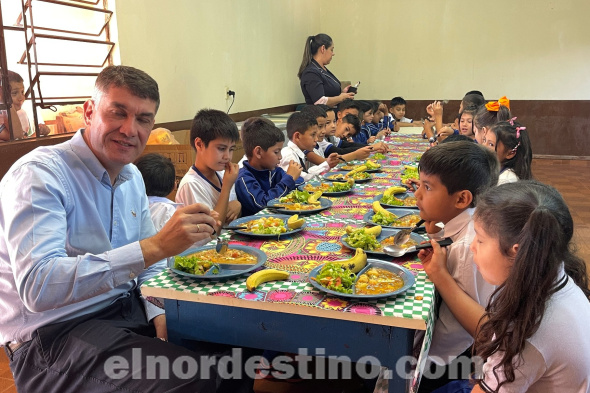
(225, 270)
(324, 204)
(243, 220)
(404, 273)
(401, 195)
(326, 193)
(368, 217)
(342, 173)
(385, 233)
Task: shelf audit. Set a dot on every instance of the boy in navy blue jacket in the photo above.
(261, 179)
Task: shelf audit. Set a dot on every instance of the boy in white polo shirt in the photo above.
(211, 179)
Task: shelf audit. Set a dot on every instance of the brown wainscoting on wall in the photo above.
(12, 151)
(556, 128)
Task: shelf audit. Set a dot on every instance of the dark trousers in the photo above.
(430, 385)
(115, 350)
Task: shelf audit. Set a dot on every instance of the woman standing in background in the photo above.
(318, 84)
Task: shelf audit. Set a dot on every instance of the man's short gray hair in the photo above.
(138, 82)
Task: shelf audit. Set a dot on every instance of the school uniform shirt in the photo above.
(318, 84)
(362, 137)
(344, 144)
(69, 239)
(196, 188)
(255, 188)
(386, 122)
(402, 120)
(241, 162)
(325, 147)
(556, 358)
(507, 175)
(373, 129)
(449, 339)
(292, 152)
(161, 209)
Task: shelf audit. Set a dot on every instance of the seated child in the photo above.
(317, 155)
(302, 130)
(466, 123)
(533, 334)
(488, 115)
(364, 135)
(17, 92)
(261, 179)
(159, 177)
(211, 179)
(347, 107)
(349, 153)
(511, 142)
(397, 114)
(246, 124)
(452, 175)
(376, 127)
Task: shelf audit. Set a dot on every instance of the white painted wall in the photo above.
(419, 49)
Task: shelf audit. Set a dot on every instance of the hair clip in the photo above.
(494, 106)
(518, 132)
(512, 121)
(515, 147)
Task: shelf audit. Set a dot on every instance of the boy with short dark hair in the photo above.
(349, 153)
(211, 179)
(397, 113)
(347, 107)
(261, 179)
(302, 130)
(452, 175)
(159, 177)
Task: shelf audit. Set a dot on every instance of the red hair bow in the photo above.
(494, 106)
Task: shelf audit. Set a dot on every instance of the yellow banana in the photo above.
(265, 275)
(361, 168)
(295, 222)
(356, 263)
(394, 190)
(377, 208)
(376, 230)
(372, 164)
(411, 167)
(313, 199)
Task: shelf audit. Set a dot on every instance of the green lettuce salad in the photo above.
(194, 265)
(360, 239)
(336, 278)
(296, 196)
(381, 219)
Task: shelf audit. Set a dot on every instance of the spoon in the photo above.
(404, 235)
(397, 252)
(221, 245)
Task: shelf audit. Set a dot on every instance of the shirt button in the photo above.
(131, 275)
(115, 223)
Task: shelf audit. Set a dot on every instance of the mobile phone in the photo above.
(354, 89)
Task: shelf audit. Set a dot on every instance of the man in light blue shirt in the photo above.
(77, 241)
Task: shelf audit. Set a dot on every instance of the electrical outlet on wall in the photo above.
(229, 93)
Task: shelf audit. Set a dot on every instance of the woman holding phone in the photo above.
(318, 84)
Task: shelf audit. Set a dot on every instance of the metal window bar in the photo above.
(108, 16)
(49, 102)
(30, 43)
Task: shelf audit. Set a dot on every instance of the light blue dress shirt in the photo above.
(69, 241)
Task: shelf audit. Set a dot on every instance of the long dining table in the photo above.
(292, 315)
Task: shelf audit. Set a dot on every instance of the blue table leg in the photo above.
(292, 333)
